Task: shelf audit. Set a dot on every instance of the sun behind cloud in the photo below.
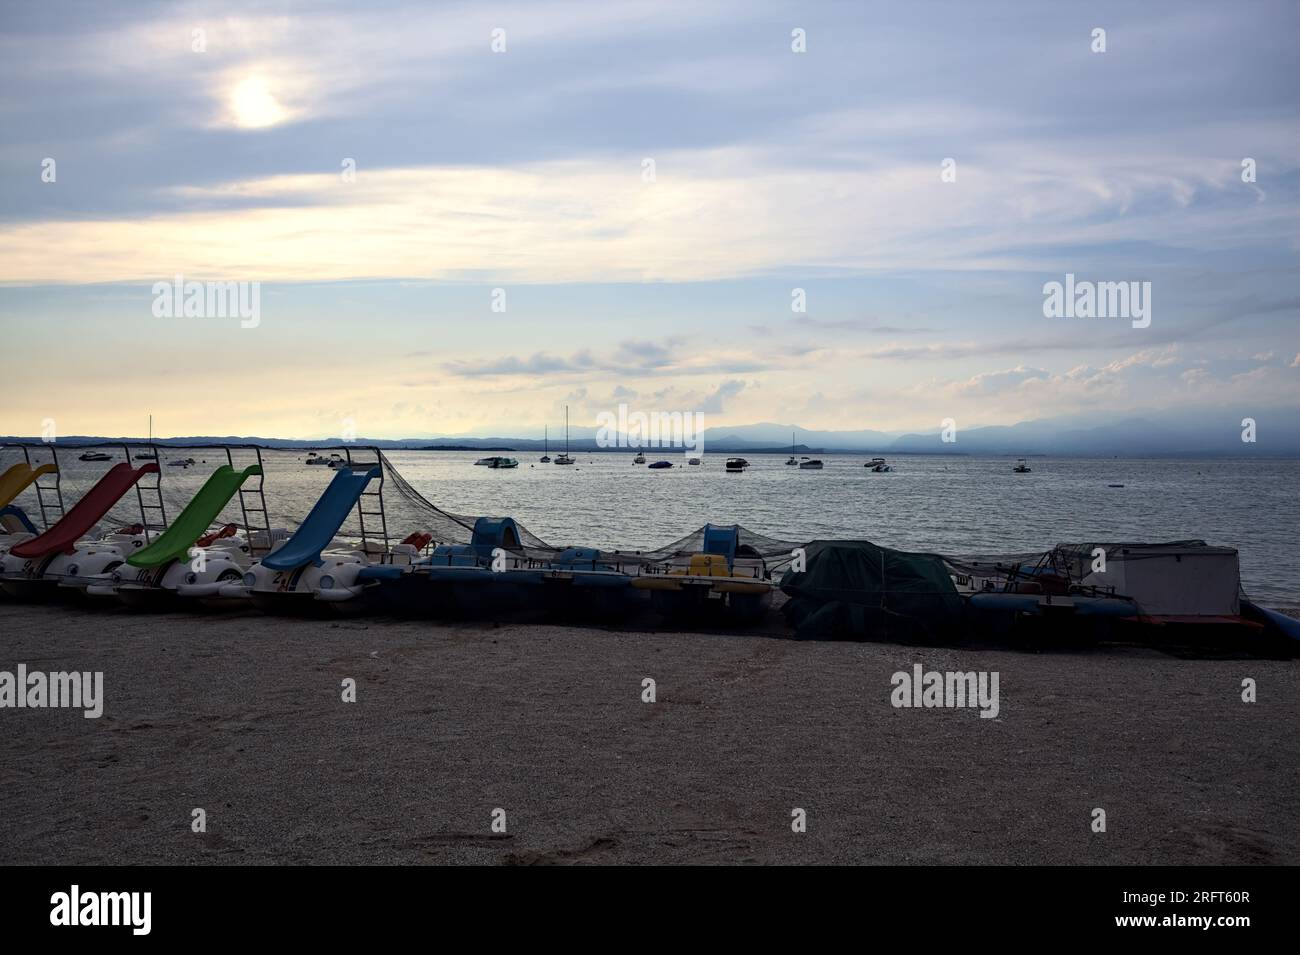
(253, 105)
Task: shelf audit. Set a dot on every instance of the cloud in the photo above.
(714, 402)
(863, 325)
(540, 363)
(992, 382)
(632, 359)
(720, 214)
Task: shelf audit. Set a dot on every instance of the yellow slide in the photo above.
(14, 481)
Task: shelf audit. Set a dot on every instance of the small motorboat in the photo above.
(639, 459)
(1021, 467)
(812, 464)
(147, 456)
(660, 465)
(334, 460)
(736, 465)
(878, 466)
(95, 456)
(180, 462)
(497, 462)
(693, 461)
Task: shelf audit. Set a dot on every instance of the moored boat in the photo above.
(564, 458)
(722, 581)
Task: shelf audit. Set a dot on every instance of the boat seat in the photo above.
(707, 565)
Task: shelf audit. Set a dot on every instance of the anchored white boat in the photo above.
(564, 458)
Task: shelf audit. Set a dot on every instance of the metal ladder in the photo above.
(252, 500)
(377, 494)
(155, 490)
(49, 496)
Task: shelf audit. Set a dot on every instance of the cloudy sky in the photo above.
(212, 141)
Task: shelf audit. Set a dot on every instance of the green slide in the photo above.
(193, 522)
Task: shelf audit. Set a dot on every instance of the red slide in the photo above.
(81, 517)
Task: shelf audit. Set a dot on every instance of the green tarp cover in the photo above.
(857, 590)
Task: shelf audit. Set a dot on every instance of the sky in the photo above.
(461, 218)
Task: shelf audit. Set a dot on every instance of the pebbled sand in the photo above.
(241, 715)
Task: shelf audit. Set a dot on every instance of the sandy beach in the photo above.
(241, 715)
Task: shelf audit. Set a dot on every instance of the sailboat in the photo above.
(152, 453)
(793, 459)
(564, 458)
(546, 446)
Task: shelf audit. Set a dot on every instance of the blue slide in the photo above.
(324, 521)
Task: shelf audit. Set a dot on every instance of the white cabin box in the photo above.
(1174, 579)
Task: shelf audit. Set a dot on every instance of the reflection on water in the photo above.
(948, 504)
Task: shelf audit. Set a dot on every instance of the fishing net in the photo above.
(776, 553)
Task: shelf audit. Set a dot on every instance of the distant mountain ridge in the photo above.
(1214, 432)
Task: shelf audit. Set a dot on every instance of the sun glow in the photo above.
(253, 105)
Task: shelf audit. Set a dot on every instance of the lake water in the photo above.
(946, 504)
